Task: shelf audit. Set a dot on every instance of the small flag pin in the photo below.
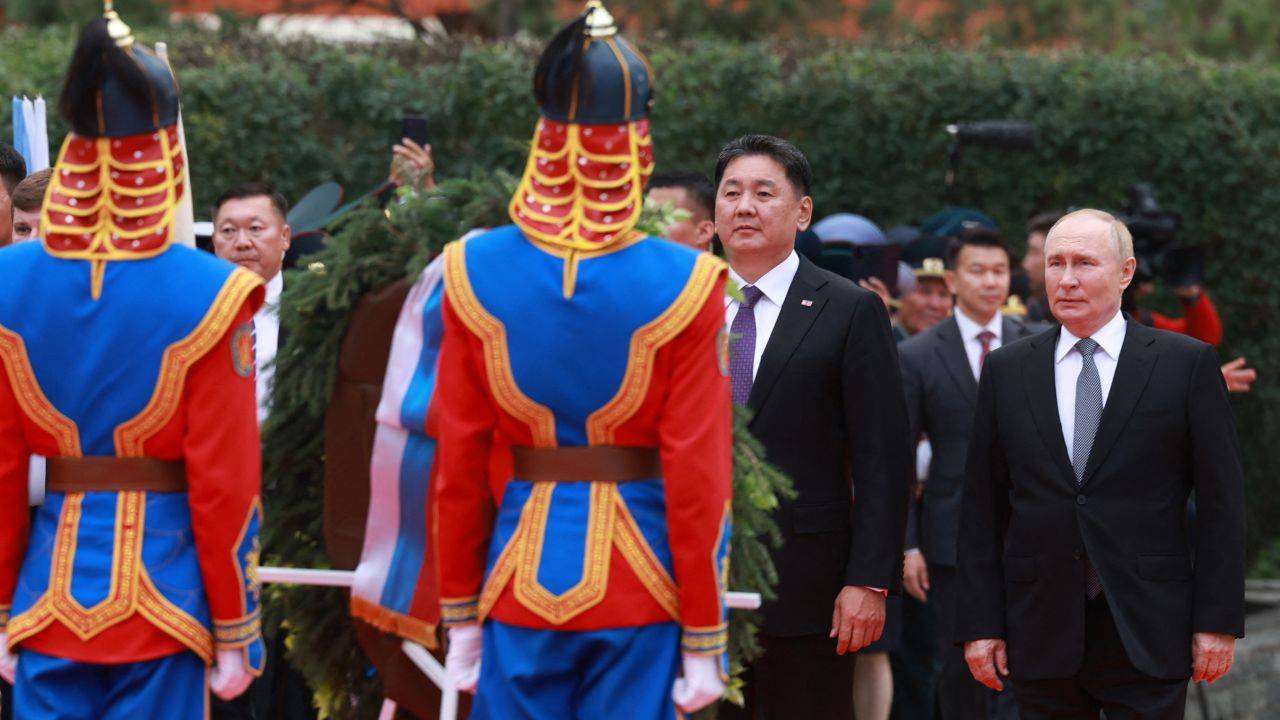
(807, 303)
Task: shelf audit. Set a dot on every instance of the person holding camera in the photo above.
(1199, 320)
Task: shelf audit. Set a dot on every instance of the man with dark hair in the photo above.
(692, 192)
(814, 359)
(1033, 264)
(250, 191)
(12, 170)
(249, 229)
(28, 199)
(940, 370)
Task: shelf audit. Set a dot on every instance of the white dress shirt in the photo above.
(774, 286)
(969, 331)
(1066, 371)
(266, 328)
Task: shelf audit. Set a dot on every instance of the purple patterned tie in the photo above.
(743, 334)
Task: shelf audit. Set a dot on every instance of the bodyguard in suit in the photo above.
(814, 359)
(940, 370)
(1078, 581)
(250, 230)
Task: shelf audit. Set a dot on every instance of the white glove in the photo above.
(8, 663)
(230, 677)
(462, 662)
(701, 684)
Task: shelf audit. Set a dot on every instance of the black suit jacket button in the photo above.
(1077, 554)
(1080, 500)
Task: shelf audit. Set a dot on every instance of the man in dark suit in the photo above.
(250, 230)
(940, 368)
(814, 359)
(1077, 579)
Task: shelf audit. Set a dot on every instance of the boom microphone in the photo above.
(1006, 134)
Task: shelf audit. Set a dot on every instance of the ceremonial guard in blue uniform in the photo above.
(128, 363)
(590, 578)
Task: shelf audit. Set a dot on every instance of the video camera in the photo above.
(1155, 232)
(1002, 134)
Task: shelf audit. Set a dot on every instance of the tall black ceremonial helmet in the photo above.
(115, 87)
(583, 184)
(588, 73)
(119, 176)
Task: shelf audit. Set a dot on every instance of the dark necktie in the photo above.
(743, 355)
(1088, 415)
(985, 337)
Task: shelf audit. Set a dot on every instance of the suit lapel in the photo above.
(1137, 358)
(793, 324)
(1013, 332)
(950, 347)
(1038, 374)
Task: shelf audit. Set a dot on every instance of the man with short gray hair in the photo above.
(1080, 584)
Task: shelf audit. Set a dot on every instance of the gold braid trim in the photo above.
(178, 359)
(645, 343)
(497, 359)
(34, 403)
(389, 621)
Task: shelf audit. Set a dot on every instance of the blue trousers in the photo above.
(174, 687)
(555, 675)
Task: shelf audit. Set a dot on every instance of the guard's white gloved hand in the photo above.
(462, 662)
(230, 676)
(701, 684)
(8, 663)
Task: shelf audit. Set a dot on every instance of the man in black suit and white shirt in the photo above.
(814, 358)
(940, 369)
(1077, 579)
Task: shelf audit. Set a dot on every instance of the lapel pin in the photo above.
(806, 303)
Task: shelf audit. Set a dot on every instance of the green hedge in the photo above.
(871, 120)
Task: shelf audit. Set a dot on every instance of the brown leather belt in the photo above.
(599, 463)
(115, 474)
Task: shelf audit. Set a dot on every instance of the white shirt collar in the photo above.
(1110, 338)
(775, 283)
(275, 286)
(969, 329)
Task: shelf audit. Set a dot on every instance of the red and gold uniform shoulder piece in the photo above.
(583, 186)
(118, 178)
